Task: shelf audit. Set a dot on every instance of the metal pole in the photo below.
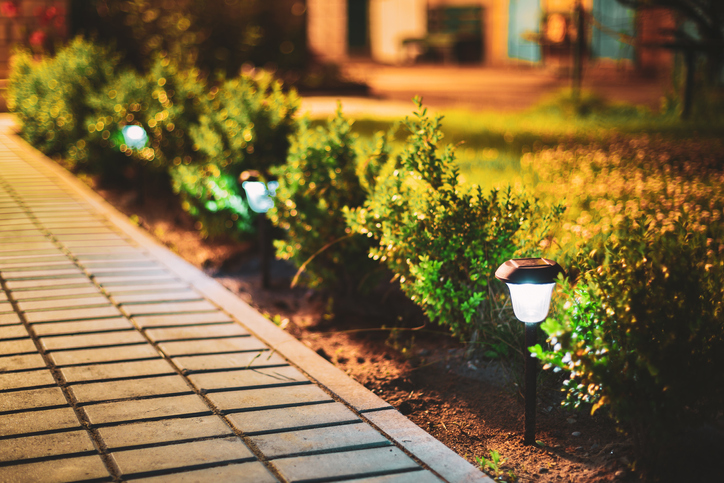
(264, 250)
(531, 369)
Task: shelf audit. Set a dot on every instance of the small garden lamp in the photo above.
(531, 282)
(134, 136)
(259, 196)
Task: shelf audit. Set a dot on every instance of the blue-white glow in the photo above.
(260, 195)
(135, 137)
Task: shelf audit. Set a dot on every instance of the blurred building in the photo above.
(36, 24)
(488, 32)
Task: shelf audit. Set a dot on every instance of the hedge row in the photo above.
(75, 106)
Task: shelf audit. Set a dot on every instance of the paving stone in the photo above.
(94, 325)
(45, 272)
(114, 252)
(32, 399)
(144, 409)
(13, 215)
(108, 269)
(132, 388)
(5, 235)
(109, 235)
(18, 227)
(21, 363)
(300, 417)
(6, 306)
(13, 242)
(163, 431)
(268, 398)
(72, 314)
(249, 378)
(37, 421)
(56, 471)
(71, 244)
(111, 255)
(32, 305)
(35, 264)
(47, 283)
(168, 308)
(35, 252)
(103, 354)
(78, 290)
(129, 298)
(133, 279)
(182, 319)
(182, 455)
(8, 249)
(82, 231)
(3, 296)
(18, 221)
(239, 360)
(252, 471)
(195, 332)
(104, 339)
(211, 346)
(18, 346)
(13, 331)
(367, 462)
(147, 288)
(45, 445)
(407, 477)
(8, 319)
(337, 438)
(117, 370)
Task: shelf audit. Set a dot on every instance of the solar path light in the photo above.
(531, 282)
(134, 137)
(259, 196)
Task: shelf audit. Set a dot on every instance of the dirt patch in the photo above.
(472, 405)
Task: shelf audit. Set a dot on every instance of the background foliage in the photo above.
(641, 332)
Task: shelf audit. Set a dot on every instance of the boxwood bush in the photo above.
(444, 240)
(327, 171)
(50, 97)
(245, 127)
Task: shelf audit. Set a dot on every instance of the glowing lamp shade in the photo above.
(530, 301)
(259, 195)
(134, 137)
(531, 282)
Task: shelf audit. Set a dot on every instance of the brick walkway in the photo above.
(120, 361)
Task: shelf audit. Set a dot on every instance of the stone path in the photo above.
(119, 361)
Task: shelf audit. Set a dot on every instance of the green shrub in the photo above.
(166, 103)
(214, 199)
(247, 124)
(50, 97)
(442, 239)
(642, 332)
(245, 128)
(325, 174)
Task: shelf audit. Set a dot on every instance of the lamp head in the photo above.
(531, 282)
(134, 136)
(259, 195)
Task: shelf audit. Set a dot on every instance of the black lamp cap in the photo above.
(528, 270)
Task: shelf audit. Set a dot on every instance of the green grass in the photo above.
(490, 144)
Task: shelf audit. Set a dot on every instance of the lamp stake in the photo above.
(531, 369)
